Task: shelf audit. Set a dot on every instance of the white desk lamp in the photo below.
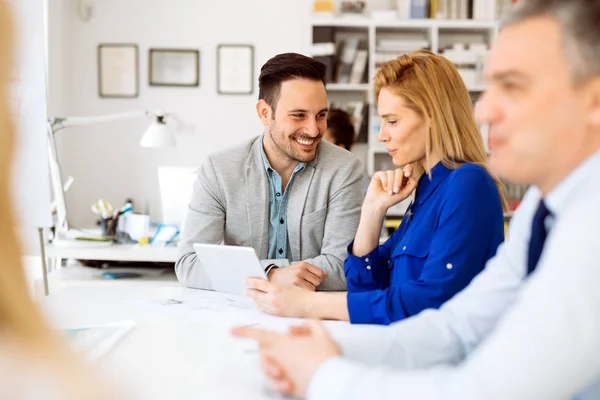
(157, 135)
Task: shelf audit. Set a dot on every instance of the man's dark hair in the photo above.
(284, 67)
(342, 129)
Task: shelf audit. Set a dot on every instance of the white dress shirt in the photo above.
(506, 336)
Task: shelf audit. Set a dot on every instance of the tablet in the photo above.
(228, 266)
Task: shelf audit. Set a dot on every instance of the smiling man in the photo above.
(288, 194)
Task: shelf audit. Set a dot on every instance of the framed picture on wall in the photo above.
(235, 69)
(174, 67)
(118, 71)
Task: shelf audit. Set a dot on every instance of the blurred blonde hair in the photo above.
(19, 317)
(432, 87)
(30, 352)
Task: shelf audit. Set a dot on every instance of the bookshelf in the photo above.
(464, 42)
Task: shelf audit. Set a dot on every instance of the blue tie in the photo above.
(538, 236)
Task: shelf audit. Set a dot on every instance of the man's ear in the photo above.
(263, 110)
(593, 102)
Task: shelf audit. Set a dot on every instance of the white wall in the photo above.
(106, 160)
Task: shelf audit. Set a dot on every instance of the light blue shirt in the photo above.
(278, 206)
(506, 336)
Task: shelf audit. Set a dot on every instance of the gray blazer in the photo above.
(230, 205)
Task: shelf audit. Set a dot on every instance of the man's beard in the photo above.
(286, 145)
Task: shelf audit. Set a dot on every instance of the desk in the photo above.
(55, 254)
(162, 357)
(115, 252)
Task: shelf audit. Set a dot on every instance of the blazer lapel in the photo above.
(257, 193)
(296, 204)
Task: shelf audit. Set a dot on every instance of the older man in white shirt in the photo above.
(528, 327)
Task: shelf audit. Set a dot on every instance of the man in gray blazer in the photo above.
(286, 193)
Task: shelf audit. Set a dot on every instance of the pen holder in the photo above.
(108, 227)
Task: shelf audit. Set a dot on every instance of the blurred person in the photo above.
(34, 362)
(528, 326)
(452, 228)
(340, 129)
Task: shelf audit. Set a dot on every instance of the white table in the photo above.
(55, 254)
(114, 252)
(162, 357)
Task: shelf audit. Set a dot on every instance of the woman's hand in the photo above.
(388, 188)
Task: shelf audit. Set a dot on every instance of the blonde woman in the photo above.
(452, 228)
(34, 364)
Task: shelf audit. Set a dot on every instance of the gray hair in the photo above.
(580, 24)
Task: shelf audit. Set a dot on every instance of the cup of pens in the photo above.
(109, 218)
(103, 209)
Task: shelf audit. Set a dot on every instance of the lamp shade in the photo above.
(158, 135)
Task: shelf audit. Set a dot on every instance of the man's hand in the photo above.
(280, 300)
(291, 361)
(300, 274)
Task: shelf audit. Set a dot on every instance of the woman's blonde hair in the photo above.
(20, 319)
(27, 344)
(432, 87)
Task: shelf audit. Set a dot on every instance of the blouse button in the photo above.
(369, 267)
(449, 266)
(366, 260)
(404, 248)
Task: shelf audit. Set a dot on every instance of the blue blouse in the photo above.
(448, 233)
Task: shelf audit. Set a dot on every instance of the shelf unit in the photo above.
(438, 33)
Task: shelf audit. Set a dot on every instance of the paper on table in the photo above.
(211, 308)
(220, 310)
(94, 341)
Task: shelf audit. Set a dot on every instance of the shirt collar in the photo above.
(426, 186)
(559, 197)
(266, 162)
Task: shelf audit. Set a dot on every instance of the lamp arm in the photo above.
(61, 123)
(61, 225)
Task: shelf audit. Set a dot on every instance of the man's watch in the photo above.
(269, 268)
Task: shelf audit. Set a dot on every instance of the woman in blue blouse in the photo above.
(449, 231)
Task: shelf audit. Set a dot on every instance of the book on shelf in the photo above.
(453, 9)
(448, 9)
(391, 48)
(347, 53)
(403, 8)
(323, 49)
(359, 66)
(419, 9)
(323, 44)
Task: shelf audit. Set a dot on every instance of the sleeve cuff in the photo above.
(359, 308)
(361, 271)
(368, 344)
(366, 259)
(278, 262)
(333, 380)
